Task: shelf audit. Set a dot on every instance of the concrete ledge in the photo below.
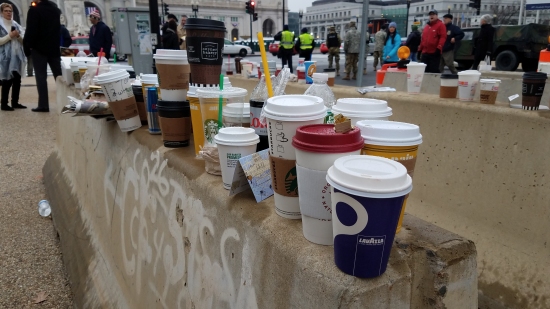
(482, 173)
(143, 226)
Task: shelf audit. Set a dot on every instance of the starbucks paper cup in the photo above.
(317, 147)
(415, 75)
(367, 197)
(488, 90)
(117, 88)
(236, 115)
(467, 83)
(284, 114)
(173, 74)
(397, 141)
(233, 144)
(362, 109)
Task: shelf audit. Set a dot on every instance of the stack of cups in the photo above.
(310, 68)
(175, 123)
(488, 90)
(467, 83)
(397, 141)
(317, 147)
(236, 115)
(358, 109)
(149, 80)
(367, 197)
(449, 86)
(173, 74)
(331, 76)
(233, 144)
(138, 94)
(118, 90)
(415, 75)
(532, 89)
(284, 114)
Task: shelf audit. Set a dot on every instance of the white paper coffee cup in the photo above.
(358, 109)
(415, 75)
(174, 79)
(467, 83)
(233, 144)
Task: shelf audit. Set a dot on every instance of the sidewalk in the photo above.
(30, 257)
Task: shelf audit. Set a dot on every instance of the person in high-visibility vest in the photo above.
(305, 44)
(286, 46)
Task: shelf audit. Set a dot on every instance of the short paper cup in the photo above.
(362, 109)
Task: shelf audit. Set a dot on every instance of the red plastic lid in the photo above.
(322, 138)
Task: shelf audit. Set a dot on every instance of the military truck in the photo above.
(512, 45)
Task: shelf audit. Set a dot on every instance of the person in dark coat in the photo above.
(65, 37)
(413, 41)
(484, 42)
(454, 36)
(286, 46)
(41, 41)
(170, 38)
(100, 36)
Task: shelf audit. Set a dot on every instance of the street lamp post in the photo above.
(407, 19)
(195, 8)
(300, 14)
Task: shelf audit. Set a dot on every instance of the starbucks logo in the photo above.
(210, 130)
(291, 182)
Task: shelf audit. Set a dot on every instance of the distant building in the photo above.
(294, 22)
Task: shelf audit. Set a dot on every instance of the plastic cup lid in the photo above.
(389, 133)
(295, 108)
(149, 79)
(369, 176)
(320, 76)
(112, 76)
(350, 107)
(237, 110)
(322, 138)
(236, 136)
(215, 92)
(416, 64)
(490, 81)
(172, 52)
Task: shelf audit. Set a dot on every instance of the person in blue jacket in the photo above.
(393, 42)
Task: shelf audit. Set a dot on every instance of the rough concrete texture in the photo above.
(481, 173)
(143, 226)
(30, 255)
(511, 83)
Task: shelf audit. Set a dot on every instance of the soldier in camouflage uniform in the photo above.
(333, 44)
(352, 43)
(379, 43)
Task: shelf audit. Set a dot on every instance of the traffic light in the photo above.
(476, 4)
(166, 8)
(255, 18)
(248, 10)
(252, 6)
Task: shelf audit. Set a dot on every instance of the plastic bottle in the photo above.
(258, 97)
(44, 208)
(319, 88)
(81, 52)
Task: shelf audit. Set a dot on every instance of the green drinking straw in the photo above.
(220, 103)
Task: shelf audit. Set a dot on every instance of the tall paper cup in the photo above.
(173, 74)
(117, 88)
(367, 197)
(317, 147)
(449, 86)
(205, 42)
(310, 68)
(488, 90)
(532, 89)
(233, 144)
(467, 83)
(196, 118)
(415, 75)
(397, 141)
(362, 109)
(284, 114)
(236, 115)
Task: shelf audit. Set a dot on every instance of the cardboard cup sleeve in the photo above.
(124, 109)
(173, 76)
(283, 176)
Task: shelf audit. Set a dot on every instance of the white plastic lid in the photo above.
(237, 110)
(322, 77)
(416, 64)
(295, 108)
(490, 81)
(215, 92)
(172, 52)
(149, 79)
(369, 176)
(351, 107)
(236, 136)
(389, 133)
(112, 76)
(226, 82)
(94, 65)
(469, 72)
(116, 66)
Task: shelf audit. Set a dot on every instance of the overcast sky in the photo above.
(296, 5)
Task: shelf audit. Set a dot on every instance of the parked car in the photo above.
(274, 48)
(81, 42)
(230, 48)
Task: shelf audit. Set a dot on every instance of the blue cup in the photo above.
(310, 67)
(367, 195)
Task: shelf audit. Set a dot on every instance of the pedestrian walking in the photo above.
(100, 36)
(286, 46)
(352, 42)
(431, 45)
(170, 38)
(379, 43)
(305, 44)
(484, 42)
(393, 42)
(454, 36)
(181, 32)
(333, 43)
(12, 58)
(41, 42)
(413, 41)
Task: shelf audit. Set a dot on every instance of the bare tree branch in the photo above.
(506, 14)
